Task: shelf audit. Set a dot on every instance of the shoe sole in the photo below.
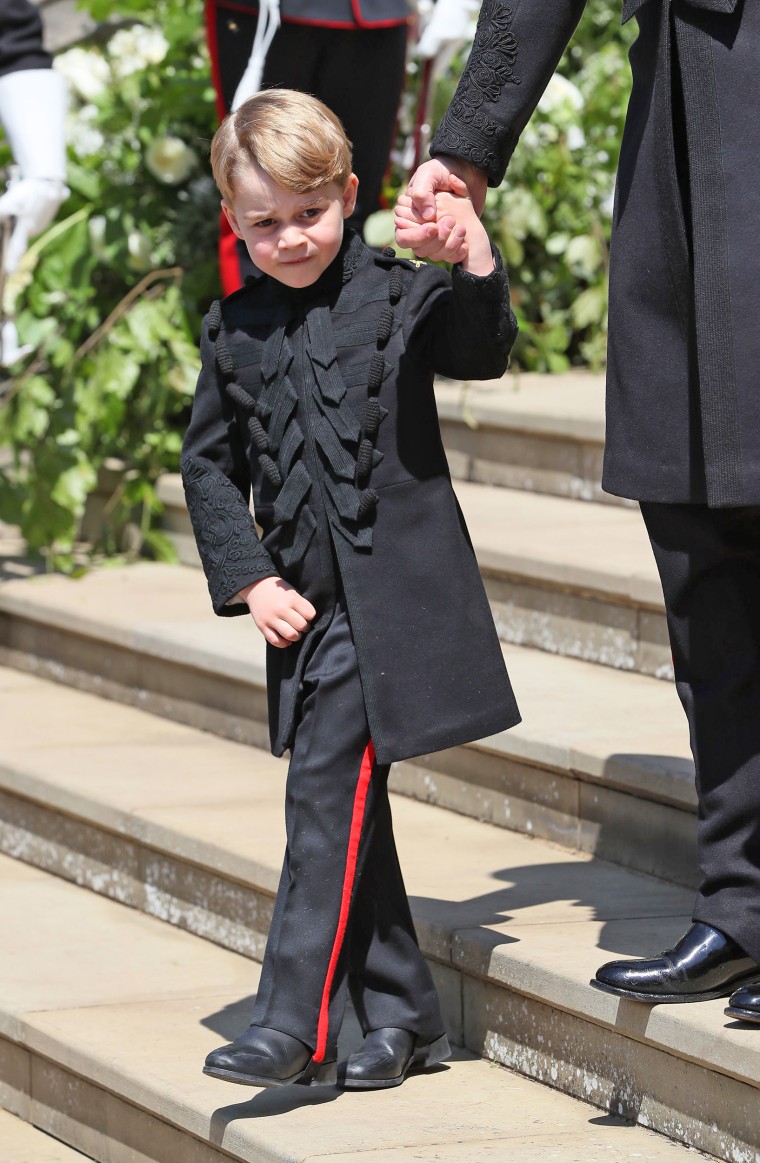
(742, 1015)
(313, 1074)
(436, 1052)
(674, 998)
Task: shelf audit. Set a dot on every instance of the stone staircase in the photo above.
(530, 857)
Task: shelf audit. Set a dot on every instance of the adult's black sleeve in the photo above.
(21, 38)
(517, 47)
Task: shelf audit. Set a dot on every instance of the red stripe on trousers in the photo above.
(352, 855)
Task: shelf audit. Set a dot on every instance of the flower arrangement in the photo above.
(111, 296)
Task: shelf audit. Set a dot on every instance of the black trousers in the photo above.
(709, 565)
(341, 919)
(358, 73)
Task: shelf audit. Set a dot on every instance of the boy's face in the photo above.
(292, 237)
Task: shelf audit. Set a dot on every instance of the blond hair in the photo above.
(293, 137)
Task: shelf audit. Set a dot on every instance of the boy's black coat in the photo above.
(322, 400)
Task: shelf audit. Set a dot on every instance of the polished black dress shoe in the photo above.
(262, 1057)
(387, 1056)
(744, 1003)
(705, 964)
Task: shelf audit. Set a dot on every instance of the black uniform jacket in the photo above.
(21, 38)
(683, 422)
(322, 400)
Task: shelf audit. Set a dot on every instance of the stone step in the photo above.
(189, 828)
(563, 576)
(20, 1142)
(109, 1059)
(541, 433)
(600, 763)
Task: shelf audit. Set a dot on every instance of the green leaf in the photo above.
(73, 486)
(589, 308)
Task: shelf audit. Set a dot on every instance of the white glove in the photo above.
(452, 22)
(32, 111)
(33, 203)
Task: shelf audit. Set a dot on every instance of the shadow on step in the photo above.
(634, 912)
(231, 1021)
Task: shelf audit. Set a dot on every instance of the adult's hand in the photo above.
(420, 231)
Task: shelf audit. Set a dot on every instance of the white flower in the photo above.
(583, 255)
(97, 230)
(608, 204)
(133, 49)
(84, 137)
(86, 71)
(560, 92)
(576, 138)
(140, 252)
(170, 160)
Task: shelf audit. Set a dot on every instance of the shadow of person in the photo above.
(229, 1022)
(268, 1103)
(628, 908)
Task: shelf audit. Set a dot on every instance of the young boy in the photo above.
(317, 391)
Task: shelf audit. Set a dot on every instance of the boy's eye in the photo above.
(312, 212)
(263, 223)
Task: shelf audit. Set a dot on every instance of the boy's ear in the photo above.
(349, 196)
(229, 214)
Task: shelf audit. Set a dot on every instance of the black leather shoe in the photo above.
(387, 1056)
(744, 1003)
(262, 1057)
(705, 964)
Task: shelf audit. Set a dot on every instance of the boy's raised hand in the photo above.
(462, 237)
(280, 612)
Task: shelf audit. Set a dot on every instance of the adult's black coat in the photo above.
(683, 423)
(322, 400)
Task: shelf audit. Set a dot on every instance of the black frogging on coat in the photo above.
(340, 378)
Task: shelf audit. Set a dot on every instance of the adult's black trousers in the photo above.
(341, 920)
(709, 565)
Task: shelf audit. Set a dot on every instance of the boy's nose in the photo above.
(291, 237)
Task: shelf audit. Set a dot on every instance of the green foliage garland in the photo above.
(111, 297)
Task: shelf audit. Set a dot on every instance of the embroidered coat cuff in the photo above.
(231, 553)
(490, 295)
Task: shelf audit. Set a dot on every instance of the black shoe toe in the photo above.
(388, 1055)
(704, 964)
(744, 1003)
(263, 1057)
